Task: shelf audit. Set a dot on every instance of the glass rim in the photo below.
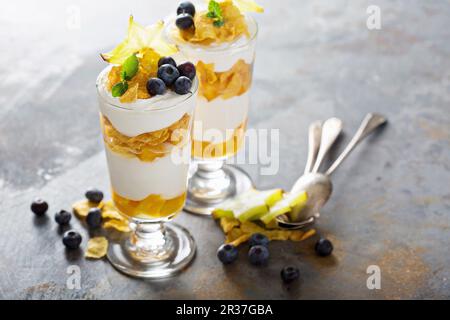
(107, 99)
(170, 22)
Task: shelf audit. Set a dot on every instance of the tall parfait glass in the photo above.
(147, 145)
(221, 115)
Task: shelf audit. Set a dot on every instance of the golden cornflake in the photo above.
(81, 208)
(228, 223)
(234, 234)
(206, 33)
(109, 211)
(308, 234)
(96, 248)
(243, 238)
(251, 227)
(119, 225)
(131, 94)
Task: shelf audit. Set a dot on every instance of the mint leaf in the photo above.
(119, 89)
(214, 7)
(130, 67)
(215, 13)
(218, 23)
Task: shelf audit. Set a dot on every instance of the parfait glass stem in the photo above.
(148, 243)
(211, 183)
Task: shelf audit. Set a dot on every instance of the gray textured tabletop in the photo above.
(315, 59)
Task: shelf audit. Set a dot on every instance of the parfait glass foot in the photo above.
(153, 250)
(212, 184)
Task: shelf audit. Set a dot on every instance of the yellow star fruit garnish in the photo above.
(248, 6)
(138, 39)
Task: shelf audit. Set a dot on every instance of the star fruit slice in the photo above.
(290, 200)
(248, 6)
(139, 38)
(250, 205)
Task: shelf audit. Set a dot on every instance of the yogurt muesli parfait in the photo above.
(220, 40)
(146, 105)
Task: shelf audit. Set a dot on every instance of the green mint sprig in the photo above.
(130, 68)
(215, 13)
(119, 89)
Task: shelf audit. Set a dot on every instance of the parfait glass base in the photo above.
(207, 189)
(132, 256)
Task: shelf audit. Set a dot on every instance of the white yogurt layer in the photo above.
(214, 118)
(223, 55)
(143, 115)
(134, 179)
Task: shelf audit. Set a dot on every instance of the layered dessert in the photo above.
(220, 41)
(147, 97)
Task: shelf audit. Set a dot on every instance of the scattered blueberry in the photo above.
(187, 69)
(182, 85)
(258, 239)
(186, 7)
(166, 60)
(63, 217)
(39, 207)
(94, 218)
(156, 86)
(290, 274)
(258, 255)
(72, 239)
(324, 247)
(227, 253)
(184, 21)
(168, 73)
(94, 195)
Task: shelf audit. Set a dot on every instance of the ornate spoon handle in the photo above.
(369, 124)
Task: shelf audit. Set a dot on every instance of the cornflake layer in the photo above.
(206, 33)
(147, 146)
(226, 85)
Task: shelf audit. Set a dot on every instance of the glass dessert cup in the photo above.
(147, 145)
(225, 75)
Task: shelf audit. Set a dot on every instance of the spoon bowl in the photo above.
(317, 185)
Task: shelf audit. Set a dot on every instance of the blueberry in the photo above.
(94, 195)
(94, 218)
(227, 253)
(168, 73)
(184, 21)
(324, 247)
(258, 239)
(187, 69)
(63, 217)
(290, 274)
(72, 239)
(186, 7)
(39, 207)
(182, 85)
(156, 86)
(166, 60)
(258, 255)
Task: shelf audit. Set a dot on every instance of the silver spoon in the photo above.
(320, 141)
(332, 128)
(330, 131)
(314, 135)
(318, 185)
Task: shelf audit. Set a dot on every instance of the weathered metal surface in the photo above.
(391, 201)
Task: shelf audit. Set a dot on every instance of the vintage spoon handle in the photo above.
(314, 134)
(369, 124)
(330, 131)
